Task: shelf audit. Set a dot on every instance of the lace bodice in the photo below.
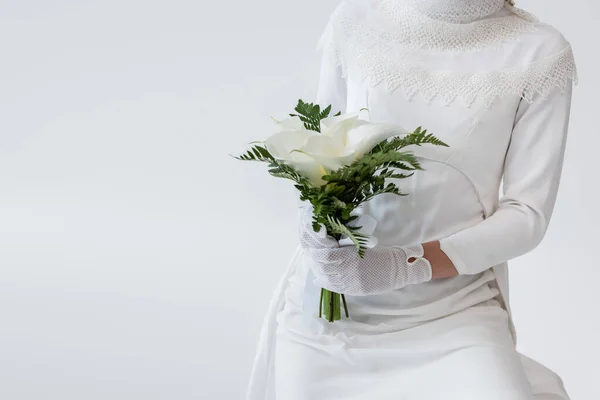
(456, 11)
(419, 47)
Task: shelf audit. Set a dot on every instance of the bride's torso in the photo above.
(463, 82)
(444, 197)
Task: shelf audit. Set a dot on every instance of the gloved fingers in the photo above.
(332, 287)
(327, 256)
(308, 237)
(322, 272)
(307, 214)
(332, 280)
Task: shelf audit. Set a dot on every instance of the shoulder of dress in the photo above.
(549, 39)
(553, 56)
(549, 62)
(545, 39)
(356, 11)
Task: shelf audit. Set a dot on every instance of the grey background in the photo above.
(137, 258)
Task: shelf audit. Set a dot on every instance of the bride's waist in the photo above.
(439, 297)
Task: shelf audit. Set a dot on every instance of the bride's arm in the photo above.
(532, 173)
(332, 89)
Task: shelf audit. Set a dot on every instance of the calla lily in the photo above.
(308, 167)
(328, 152)
(282, 143)
(327, 124)
(363, 138)
(286, 146)
(343, 139)
(291, 123)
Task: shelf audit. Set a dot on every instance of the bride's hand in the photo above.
(340, 269)
(308, 237)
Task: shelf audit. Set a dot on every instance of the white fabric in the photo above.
(465, 356)
(340, 269)
(405, 25)
(391, 45)
(451, 338)
(459, 11)
(398, 23)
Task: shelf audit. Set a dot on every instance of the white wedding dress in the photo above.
(494, 84)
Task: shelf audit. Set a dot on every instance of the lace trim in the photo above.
(510, 5)
(359, 39)
(538, 78)
(392, 23)
(457, 11)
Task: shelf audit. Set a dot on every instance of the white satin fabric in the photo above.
(451, 339)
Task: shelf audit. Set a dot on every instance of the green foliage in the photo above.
(276, 168)
(350, 186)
(311, 114)
(257, 153)
(417, 138)
(338, 228)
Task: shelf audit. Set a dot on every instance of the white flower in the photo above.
(292, 123)
(343, 139)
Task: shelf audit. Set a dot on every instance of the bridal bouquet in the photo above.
(337, 163)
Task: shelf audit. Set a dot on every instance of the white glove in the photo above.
(340, 269)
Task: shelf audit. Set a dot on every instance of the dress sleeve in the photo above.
(332, 88)
(532, 172)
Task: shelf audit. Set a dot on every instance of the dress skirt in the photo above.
(466, 355)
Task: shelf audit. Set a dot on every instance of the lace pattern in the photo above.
(362, 46)
(393, 23)
(456, 11)
(538, 78)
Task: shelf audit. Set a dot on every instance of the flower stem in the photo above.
(345, 306)
(321, 303)
(330, 305)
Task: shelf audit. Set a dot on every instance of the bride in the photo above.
(430, 315)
